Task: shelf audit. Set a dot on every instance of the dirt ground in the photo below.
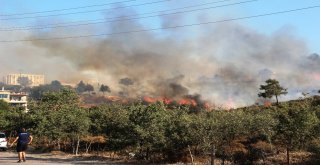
(10, 157)
(53, 158)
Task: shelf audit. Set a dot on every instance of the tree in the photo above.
(37, 91)
(24, 81)
(297, 126)
(272, 88)
(81, 87)
(4, 105)
(55, 85)
(104, 88)
(59, 117)
(89, 88)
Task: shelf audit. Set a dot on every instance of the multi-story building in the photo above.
(34, 80)
(14, 99)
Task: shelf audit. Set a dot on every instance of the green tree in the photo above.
(182, 132)
(4, 105)
(81, 87)
(297, 125)
(13, 119)
(58, 116)
(24, 81)
(104, 88)
(148, 127)
(55, 86)
(272, 88)
(89, 88)
(37, 91)
(117, 127)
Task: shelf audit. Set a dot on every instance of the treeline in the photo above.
(157, 132)
(35, 93)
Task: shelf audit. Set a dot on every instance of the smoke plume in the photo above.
(221, 62)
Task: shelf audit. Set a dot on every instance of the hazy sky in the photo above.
(221, 61)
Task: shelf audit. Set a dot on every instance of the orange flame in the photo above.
(229, 104)
(149, 99)
(185, 101)
(188, 102)
(267, 103)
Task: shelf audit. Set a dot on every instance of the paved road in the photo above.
(9, 158)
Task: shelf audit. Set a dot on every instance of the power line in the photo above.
(71, 22)
(89, 11)
(72, 8)
(134, 18)
(163, 28)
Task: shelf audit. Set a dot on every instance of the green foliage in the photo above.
(261, 123)
(148, 127)
(272, 88)
(118, 128)
(58, 116)
(13, 119)
(296, 126)
(14, 88)
(4, 106)
(37, 91)
(157, 131)
(24, 81)
(104, 88)
(81, 87)
(314, 146)
(178, 131)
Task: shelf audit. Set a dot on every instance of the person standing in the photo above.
(24, 139)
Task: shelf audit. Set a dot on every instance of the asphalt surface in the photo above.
(9, 158)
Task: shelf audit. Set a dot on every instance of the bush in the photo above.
(314, 146)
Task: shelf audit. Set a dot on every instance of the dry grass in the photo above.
(296, 158)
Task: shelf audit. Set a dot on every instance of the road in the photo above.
(8, 158)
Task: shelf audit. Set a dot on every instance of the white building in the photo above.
(35, 80)
(14, 99)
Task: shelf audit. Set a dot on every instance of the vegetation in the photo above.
(82, 87)
(24, 81)
(104, 88)
(37, 91)
(272, 88)
(159, 132)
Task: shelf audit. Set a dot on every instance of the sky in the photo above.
(168, 48)
(302, 23)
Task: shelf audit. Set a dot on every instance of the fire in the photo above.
(114, 98)
(229, 104)
(187, 102)
(159, 99)
(90, 101)
(267, 103)
(149, 99)
(183, 101)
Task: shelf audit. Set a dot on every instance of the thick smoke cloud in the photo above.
(222, 62)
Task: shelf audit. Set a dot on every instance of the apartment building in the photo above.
(34, 80)
(14, 99)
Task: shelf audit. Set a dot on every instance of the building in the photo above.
(34, 80)
(14, 99)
